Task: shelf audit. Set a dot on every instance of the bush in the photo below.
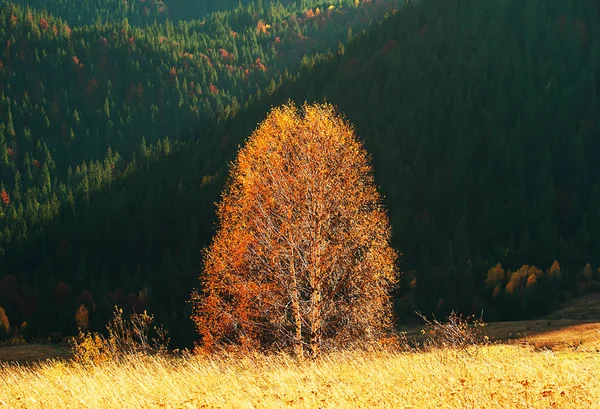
(457, 333)
(126, 337)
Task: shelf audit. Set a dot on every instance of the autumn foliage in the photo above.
(301, 259)
(4, 323)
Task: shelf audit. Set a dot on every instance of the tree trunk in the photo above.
(298, 348)
(315, 320)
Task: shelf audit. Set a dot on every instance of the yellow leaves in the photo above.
(82, 317)
(588, 274)
(301, 198)
(526, 276)
(554, 269)
(495, 274)
(4, 323)
(531, 280)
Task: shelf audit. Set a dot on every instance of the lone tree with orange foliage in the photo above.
(301, 258)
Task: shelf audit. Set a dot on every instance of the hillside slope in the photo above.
(482, 121)
(85, 107)
(481, 118)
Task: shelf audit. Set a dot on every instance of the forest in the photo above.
(118, 121)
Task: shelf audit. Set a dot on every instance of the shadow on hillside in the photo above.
(543, 334)
(135, 242)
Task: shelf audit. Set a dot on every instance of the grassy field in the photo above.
(548, 363)
(498, 376)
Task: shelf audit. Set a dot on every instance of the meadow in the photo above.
(495, 376)
(546, 363)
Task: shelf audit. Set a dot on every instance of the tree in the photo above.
(301, 258)
(4, 324)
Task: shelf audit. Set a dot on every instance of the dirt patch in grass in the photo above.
(33, 352)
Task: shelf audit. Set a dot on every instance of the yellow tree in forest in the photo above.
(301, 258)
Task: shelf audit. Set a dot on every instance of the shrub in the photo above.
(126, 337)
(456, 333)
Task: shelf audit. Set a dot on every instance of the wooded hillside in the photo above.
(481, 118)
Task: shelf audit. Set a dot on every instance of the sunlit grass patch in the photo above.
(498, 376)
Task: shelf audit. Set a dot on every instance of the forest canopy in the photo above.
(481, 118)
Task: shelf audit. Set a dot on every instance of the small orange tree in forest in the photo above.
(301, 258)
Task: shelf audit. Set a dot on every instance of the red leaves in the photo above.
(43, 24)
(61, 290)
(262, 27)
(76, 61)
(36, 163)
(224, 54)
(213, 89)
(205, 58)
(259, 65)
(5, 198)
(388, 46)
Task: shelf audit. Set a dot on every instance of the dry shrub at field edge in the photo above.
(498, 376)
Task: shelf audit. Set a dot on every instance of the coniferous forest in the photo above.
(118, 120)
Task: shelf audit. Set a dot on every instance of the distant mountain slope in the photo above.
(79, 90)
(138, 12)
(481, 117)
(83, 108)
(147, 12)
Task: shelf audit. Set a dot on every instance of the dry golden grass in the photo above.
(499, 376)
